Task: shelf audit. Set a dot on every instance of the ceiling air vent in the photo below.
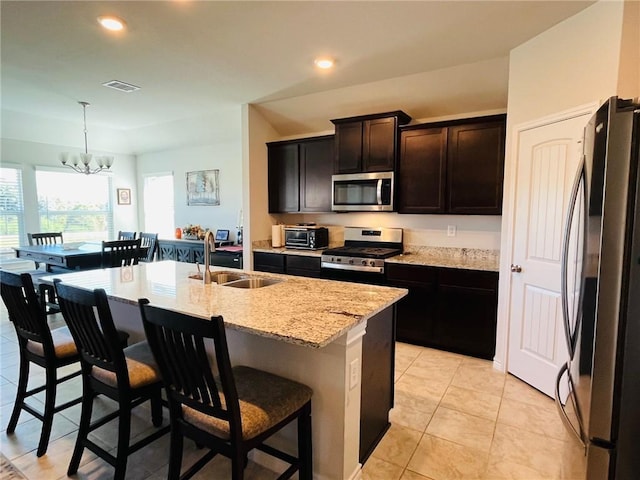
(122, 86)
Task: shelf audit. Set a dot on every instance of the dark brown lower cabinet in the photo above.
(300, 265)
(447, 308)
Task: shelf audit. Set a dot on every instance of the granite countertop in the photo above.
(299, 310)
(462, 258)
(447, 257)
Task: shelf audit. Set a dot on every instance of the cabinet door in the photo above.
(316, 167)
(348, 144)
(416, 313)
(379, 142)
(303, 266)
(167, 251)
(284, 179)
(197, 254)
(475, 168)
(467, 311)
(421, 171)
(268, 262)
(184, 253)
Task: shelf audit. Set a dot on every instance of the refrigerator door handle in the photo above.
(577, 432)
(564, 258)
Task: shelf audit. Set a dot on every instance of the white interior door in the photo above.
(548, 158)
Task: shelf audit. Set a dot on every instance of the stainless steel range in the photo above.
(364, 250)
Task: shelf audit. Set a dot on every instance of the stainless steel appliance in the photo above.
(601, 295)
(306, 237)
(363, 254)
(362, 192)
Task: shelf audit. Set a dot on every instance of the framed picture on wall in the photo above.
(203, 188)
(124, 196)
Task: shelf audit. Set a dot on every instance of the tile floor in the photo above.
(455, 418)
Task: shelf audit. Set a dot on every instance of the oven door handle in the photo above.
(379, 192)
(355, 268)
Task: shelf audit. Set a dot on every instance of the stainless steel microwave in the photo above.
(362, 192)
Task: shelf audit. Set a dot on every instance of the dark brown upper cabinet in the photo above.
(367, 143)
(452, 167)
(300, 175)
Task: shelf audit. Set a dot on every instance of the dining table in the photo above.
(71, 256)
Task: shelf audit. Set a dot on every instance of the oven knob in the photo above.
(350, 262)
(338, 259)
(372, 263)
(364, 262)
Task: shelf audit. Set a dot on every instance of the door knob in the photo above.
(516, 268)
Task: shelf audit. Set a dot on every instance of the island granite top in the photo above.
(299, 310)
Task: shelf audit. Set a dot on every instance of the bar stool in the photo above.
(231, 413)
(129, 376)
(49, 349)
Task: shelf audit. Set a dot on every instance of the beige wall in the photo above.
(629, 75)
(572, 64)
(256, 131)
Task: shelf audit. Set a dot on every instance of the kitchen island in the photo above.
(305, 329)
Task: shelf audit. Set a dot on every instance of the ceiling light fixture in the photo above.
(111, 22)
(85, 158)
(324, 62)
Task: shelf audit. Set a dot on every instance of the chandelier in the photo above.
(81, 163)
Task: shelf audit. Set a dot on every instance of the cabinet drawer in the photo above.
(474, 279)
(411, 275)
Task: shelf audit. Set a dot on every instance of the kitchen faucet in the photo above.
(209, 243)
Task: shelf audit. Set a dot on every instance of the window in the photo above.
(77, 205)
(11, 210)
(159, 204)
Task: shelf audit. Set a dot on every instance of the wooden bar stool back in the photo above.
(120, 253)
(129, 376)
(231, 413)
(49, 349)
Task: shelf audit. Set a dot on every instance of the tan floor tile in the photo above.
(409, 475)
(541, 420)
(518, 390)
(397, 445)
(480, 377)
(408, 349)
(376, 469)
(411, 400)
(409, 417)
(473, 402)
(517, 454)
(27, 435)
(440, 459)
(462, 428)
(427, 388)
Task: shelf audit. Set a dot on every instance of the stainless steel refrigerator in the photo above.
(601, 296)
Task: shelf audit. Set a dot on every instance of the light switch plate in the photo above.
(451, 230)
(354, 373)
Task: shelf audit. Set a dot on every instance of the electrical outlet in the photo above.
(354, 374)
(451, 230)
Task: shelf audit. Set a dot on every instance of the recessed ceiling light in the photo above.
(111, 23)
(324, 62)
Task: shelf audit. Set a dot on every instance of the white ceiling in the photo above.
(195, 58)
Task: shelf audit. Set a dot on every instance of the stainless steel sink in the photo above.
(253, 282)
(219, 277)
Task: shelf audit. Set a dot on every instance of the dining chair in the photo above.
(44, 238)
(149, 242)
(49, 349)
(128, 375)
(122, 235)
(120, 253)
(231, 411)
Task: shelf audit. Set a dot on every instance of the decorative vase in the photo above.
(178, 233)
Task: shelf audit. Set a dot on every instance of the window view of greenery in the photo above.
(11, 209)
(77, 205)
